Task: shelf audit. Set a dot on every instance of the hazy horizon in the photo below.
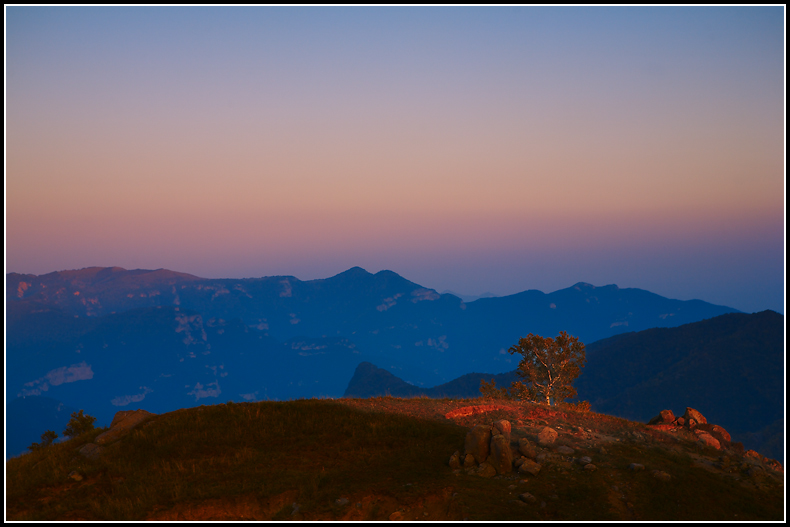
(471, 149)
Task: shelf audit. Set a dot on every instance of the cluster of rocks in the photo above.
(707, 434)
(713, 436)
(489, 451)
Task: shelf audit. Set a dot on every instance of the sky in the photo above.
(471, 149)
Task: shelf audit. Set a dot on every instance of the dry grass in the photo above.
(385, 455)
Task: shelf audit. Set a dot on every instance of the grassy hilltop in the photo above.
(384, 458)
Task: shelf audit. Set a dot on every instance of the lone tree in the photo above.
(549, 366)
(79, 424)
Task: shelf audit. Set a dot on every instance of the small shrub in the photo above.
(581, 406)
(46, 439)
(79, 424)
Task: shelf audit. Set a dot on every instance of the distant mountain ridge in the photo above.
(372, 381)
(108, 339)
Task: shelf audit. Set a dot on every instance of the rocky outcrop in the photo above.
(707, 434)
(489, 451)
(664, 417)
(122, 424)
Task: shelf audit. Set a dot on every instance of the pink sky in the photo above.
(472, 150)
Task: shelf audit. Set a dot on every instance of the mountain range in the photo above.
(109, 339)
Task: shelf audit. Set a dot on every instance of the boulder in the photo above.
(661, 475)
(664, 417)
(636, 467)
(527, 498)
(91, 450)
(562, 449)
(589, 467)
(529, 467)
(526, 448)
(478, 442)
(691, 413)
(469, 461)
(122, 424)
(680, 421)
(547, 436)
(455, 460)
(486, 470)
(708, 440)
(585, 460)
(501, 457)
(720, 433)
(503, 427)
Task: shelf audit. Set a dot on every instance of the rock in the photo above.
(661, 475)
(519, 461)
(527, 498)
(562, 449)
(501, 458)
(680, 421)
(469, 461)
(526, 448)
(720, 433)
(691, 423)
(503, 427)
(664, 417)
(455, 460)
(76, 476)
(543, 456)
(91, 450)
(708, 440)
(636, 467)
(547, 436)
(589, 467)
(529, 467)
(691, 413)
(122, 424)
(774, 465)
(396, 516)
(341, 501)
(585, 460)
(486, 470)
(751, 453)
(478, 441)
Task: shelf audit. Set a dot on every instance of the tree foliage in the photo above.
(79, 424)
(490, 390)
(549, 365)
(46, 439)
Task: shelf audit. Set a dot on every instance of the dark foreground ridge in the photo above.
(397, 459)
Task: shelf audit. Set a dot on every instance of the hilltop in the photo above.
(386, 458)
